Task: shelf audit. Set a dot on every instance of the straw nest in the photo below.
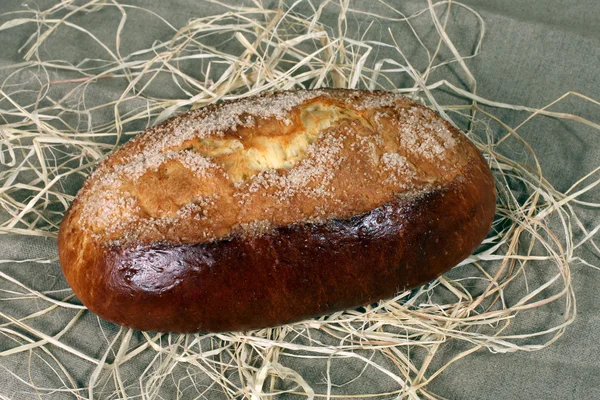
(62, 113)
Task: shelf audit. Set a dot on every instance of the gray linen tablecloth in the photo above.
(534, 52)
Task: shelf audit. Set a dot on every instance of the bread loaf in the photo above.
(273, 209)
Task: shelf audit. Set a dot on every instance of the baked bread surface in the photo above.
(272, 209)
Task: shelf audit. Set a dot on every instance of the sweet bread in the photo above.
(272, 209)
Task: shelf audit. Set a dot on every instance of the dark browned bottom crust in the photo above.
(288, 274)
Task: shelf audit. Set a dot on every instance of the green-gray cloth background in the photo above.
(534, 51)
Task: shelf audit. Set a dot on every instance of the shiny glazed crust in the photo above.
(238, 271)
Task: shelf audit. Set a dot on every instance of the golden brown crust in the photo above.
(308, 156)
(383, 195)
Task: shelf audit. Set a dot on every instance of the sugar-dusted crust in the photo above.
(272, 209)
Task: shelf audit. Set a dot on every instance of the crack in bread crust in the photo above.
(266, 145)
